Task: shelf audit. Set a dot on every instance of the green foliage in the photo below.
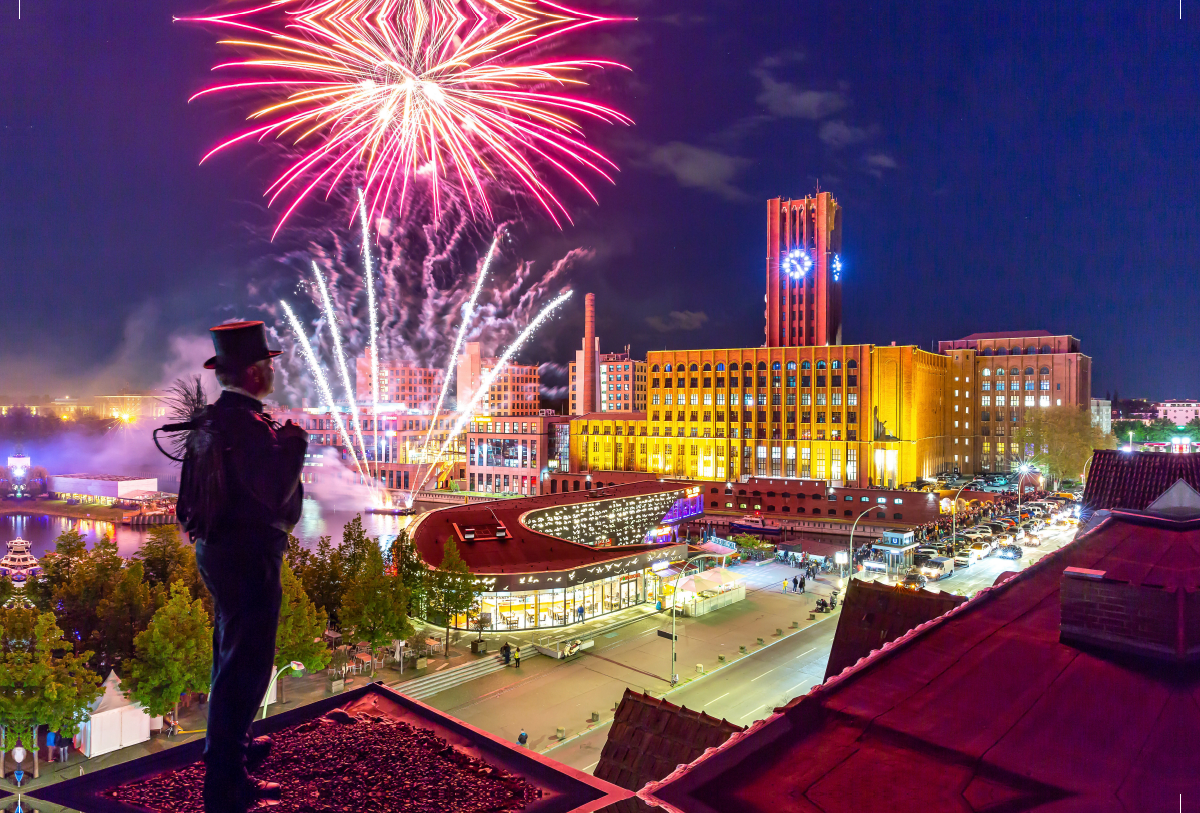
(166, 558)
(173, 654)
(450, 589)
(320, 573)
(123, 614)
(1063, 439)
(1160, 431)
(376, 602)
(41, 681)
(356, 548)
(77, 599)
(404, 560)
(749, 541)
(300, 622)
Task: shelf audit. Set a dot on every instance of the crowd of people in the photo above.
(942, 527)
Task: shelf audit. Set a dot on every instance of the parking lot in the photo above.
(981, 574)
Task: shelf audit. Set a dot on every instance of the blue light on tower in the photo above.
(796, 263)
(837, 268)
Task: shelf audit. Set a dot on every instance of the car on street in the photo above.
(1010, 552)
(937, 567)
(913, 580)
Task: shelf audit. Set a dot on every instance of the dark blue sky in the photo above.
(1003, 166)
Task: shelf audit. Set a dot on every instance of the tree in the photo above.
(76, 600)
(322, 579)
(173, 654)
(165, 557)
(376, 603)
(1062, 440)
(301, 626)
(356, 547)
(39, 686)
(123, 614)
(450, 589)
(404, 560)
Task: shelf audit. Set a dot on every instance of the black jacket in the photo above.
(262, 491)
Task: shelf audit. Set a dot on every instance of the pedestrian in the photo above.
(522, 738)
(506, 652)
(579, 612)
(50, 737)
(785, 585)
(801, 584)
(239, 497)
(517, 657)
(795, 584)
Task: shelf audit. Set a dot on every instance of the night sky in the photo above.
(1002, 166)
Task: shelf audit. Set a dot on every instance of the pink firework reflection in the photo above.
(390, 89)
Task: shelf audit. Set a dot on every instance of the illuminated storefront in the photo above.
(556, 560)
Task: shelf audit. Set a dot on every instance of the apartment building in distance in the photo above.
(405, 385)
(995, 379)
(509, 456)
(1179, 413)
(514, 392)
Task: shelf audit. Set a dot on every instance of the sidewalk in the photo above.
(544, 694)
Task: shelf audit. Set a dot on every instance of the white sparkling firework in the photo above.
(468, 312)
(373, 315)
(340, 355)
(467, 411)
(318, 376)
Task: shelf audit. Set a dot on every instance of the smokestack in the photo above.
(590, 380)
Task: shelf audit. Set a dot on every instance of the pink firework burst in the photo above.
(386, 90)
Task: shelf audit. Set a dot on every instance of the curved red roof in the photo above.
(524, 550)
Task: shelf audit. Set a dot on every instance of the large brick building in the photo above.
(804, 272)
(405, 385)
(513, 392)
(996, 379)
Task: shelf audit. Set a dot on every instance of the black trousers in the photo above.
(243, 577)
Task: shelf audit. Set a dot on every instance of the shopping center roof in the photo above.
(985, 708)
(522, 549)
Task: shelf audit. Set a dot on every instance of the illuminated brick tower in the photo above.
(804, 288)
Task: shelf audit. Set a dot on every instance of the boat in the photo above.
(392, 510)
(19, 564)
(755, 524)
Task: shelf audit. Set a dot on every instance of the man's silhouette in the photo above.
(240, 495)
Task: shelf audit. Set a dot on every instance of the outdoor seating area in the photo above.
(360, 658)
(709, 590)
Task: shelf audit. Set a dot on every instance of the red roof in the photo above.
(1119, 479)
(983, 708)
(650, 737)
(527, 550)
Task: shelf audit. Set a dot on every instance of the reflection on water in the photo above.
(315, 522)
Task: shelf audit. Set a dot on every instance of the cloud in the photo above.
(701, 168)
(552, 378)
(787, 100)
(837, 133)
(877, 162)
(678, 320)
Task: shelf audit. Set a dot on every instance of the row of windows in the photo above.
(762, 365)
(749, 399)
(786, 510)
(1016, 351)
(748, 381)
(748, 416)
(986, 386)
(1016, 371)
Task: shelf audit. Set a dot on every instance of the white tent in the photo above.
(115, 722)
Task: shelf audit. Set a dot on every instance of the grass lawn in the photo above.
(59, 508)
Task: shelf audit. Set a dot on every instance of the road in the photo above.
(752, 687)
(745, 691)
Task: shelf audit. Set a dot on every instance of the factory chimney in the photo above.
(590, 380)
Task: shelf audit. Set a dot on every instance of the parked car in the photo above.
(965, 558)
(938, 567)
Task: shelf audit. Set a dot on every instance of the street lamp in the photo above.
(850, 565)
(299, 667)
(674, 596)
(954, 514)
(1022, 470)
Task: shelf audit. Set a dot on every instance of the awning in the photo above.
(721, 576)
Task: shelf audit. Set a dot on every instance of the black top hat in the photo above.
(239, 344)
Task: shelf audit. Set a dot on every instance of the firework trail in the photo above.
(452, 90)
(318, 376)
(373, 320)
(468, 312)
(340, 355)
(467, 411)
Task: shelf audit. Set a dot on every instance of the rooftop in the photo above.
(650, 737)
(106, 477)
(1118, 479)
(1008, 334)
(986, 707)
(522, 549)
